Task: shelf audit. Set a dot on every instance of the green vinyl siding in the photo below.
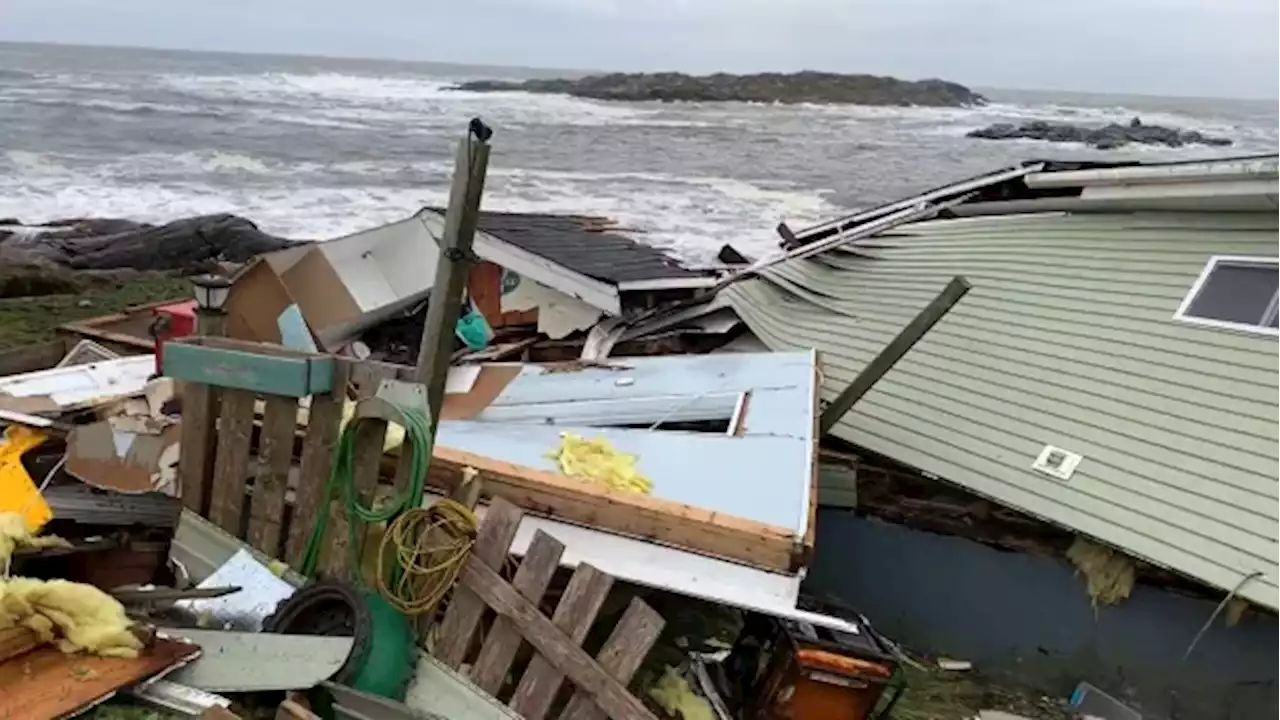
(1067, 339)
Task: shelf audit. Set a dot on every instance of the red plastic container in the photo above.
(172, 321)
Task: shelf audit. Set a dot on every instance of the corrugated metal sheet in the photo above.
(1066, 339)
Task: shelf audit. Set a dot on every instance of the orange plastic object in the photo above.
(822, 685)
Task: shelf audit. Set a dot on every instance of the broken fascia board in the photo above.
(848, 222)
(598, 294)
(76, 385)
(649, 389)
(686, 283)
(762, 478)
(645, 562)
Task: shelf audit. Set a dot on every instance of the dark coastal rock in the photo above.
(188, 246)
(801, 87)
(1108, 137)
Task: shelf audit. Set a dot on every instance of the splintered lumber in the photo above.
(599, 684)
(644, 516)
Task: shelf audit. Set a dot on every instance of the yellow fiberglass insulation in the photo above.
(14, 534)
(597, 461)
(673, 694)
(75, 616)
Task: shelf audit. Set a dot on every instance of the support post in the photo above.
(455, 260)
(893, 352)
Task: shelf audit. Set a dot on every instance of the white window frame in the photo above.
(1257, 329)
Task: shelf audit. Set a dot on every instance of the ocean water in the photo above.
(320, 147)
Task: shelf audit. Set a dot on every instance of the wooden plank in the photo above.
(256, 371)
(275, 453)
(621, 656)
(574, 614)
(555, 646)
(323, 421)
(890, 354)
(370, 434)
(199, 439)
(644, 516)
(532, 579)
(493, 540)
(231, 467)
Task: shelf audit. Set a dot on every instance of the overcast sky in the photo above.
(1178, 47)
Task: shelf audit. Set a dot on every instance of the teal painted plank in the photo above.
(288, 376)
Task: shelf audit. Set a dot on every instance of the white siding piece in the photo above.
(1065, 340)
(78, 384)
(644, 562)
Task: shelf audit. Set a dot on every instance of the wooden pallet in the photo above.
(599, 684)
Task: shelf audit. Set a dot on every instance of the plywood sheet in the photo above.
(45, 684)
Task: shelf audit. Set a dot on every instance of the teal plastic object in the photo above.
(474, 330)
(390, 657)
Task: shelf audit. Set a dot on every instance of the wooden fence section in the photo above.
(599, 684)
(256, 463)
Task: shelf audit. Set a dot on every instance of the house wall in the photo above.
(1067, 338)
(1029, 617)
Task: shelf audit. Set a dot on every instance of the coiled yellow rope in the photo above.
(421, 554)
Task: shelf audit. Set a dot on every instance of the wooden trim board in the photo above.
(747, 541)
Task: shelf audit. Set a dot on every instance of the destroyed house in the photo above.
(1112, 373)
(562, 273)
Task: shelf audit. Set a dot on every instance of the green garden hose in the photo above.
(341, 483)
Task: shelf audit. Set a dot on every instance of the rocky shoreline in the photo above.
(1108, 137)
(787, 88)
(67, 256)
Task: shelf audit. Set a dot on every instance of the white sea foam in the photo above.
(692, 217)
(753, 166)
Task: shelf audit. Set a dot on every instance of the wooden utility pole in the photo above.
(460, 222)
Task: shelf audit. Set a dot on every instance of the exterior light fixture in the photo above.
(211, 292)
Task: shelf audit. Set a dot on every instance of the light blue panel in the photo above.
(759, 478)
(781, 386)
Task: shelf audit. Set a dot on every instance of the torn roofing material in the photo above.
(1068, 339)
(586, 245)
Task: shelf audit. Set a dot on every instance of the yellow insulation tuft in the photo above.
(15, 533)
(1109, 575)
(673, 694)
(74, 616)
(597, 461)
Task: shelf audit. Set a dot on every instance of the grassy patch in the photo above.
(28, 320)
(941, 695)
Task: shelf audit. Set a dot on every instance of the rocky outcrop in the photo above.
(187, 246)
(790, 88)
(1108, 137)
